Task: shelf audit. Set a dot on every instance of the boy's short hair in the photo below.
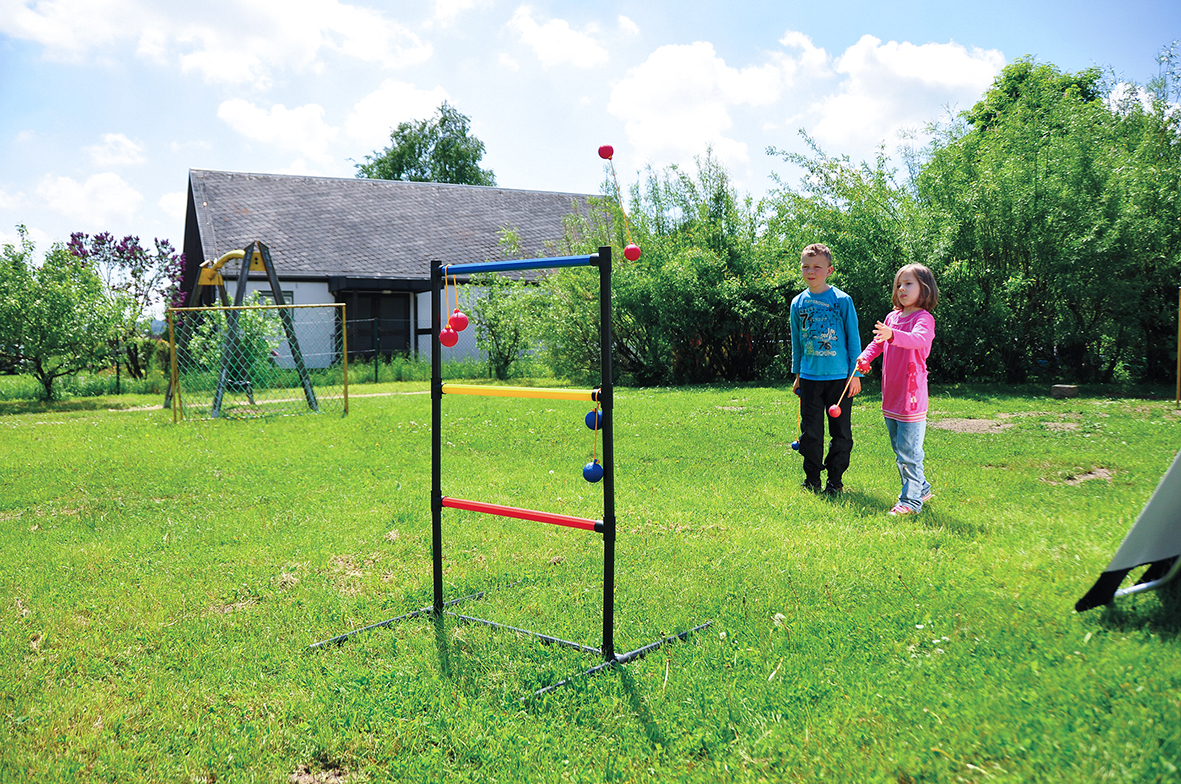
(817, 249)
(928, 290)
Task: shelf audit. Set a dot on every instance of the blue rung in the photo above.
(518, 264)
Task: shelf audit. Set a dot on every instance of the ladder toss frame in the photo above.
(603, 395)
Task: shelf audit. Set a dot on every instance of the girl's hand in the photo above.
(882, 332)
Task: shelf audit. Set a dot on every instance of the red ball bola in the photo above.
(458, 320)
(631, 252)
(834, 411)
(606, 151)
(448, 337)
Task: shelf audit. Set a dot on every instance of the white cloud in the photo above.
(555, 42)
(199, 144)
(678, 102)
(41, 241)
(102, 201)
(233, 41)
(68, 29)
(10, 201)
(890, 87)
(394, 102)
(116, 150)
(301, 130)
(174, 205)
(812, 58)
(447, 11)
(628, 26)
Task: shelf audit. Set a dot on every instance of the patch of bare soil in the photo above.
(971, 425)
(1077, 479)
(225, 609)
(305, 775)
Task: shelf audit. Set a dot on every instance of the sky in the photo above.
(106, 104)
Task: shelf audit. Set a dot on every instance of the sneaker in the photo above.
(901, 509)
(926, 498)
(834, 489)
(811, 487)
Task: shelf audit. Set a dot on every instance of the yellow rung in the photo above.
(536, 392)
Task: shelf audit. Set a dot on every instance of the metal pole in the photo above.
(173, 377)
(436, 438)
(1177, 403)
(344, 351)
(606, 400)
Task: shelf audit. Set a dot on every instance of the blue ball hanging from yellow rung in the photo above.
(592, 471)
(594, 419)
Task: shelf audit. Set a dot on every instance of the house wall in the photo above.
(466, 347)
(314, 328)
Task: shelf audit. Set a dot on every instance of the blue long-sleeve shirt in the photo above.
(825, 340)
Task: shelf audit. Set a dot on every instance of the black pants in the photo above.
(815, 398)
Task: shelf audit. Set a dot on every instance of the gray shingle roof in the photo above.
(321, 226)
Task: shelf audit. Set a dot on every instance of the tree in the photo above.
(1034, 207)
(438, 149)
(144, 279)
(56, 319)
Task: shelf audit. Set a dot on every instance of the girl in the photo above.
(904, 338)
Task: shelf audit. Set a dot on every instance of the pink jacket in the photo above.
(904, 364)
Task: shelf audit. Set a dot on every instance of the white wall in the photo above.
(466, 347)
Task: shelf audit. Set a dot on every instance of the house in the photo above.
(366, 243)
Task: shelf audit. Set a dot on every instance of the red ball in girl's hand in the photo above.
(631, 252)
(606, 151)
(448, 337)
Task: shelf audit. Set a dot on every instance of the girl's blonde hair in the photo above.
(928, 290)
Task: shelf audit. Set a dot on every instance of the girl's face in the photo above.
(908, 289)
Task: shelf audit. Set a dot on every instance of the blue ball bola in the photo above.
(795, 445)
(594, 420)
(592, 472)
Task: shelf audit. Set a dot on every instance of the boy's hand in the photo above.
(882, 332)
(854, 387)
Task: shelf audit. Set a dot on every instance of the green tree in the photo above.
(56, 319)
(859, 210)
(438, 149)
(1047, 213)
(700, 304)
(144, 280)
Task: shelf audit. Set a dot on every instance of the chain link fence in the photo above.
(257, 361)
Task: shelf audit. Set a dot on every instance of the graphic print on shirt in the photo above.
(819, 322)
(912, 387)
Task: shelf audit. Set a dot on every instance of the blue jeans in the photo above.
(907, 440)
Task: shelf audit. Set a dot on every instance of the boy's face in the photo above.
(816, 270)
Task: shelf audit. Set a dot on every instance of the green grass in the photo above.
(162, 583)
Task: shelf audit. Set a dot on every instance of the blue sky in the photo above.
(106, 104)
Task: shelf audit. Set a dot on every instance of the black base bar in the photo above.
(406, 616)
(548, 639)
(638, 653)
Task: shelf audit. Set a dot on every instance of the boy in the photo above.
(825, 344)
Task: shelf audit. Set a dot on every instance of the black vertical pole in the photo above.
(436, 437)
(606, 400)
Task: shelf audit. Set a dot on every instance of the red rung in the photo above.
(522, 514)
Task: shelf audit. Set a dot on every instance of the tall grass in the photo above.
(163, 583)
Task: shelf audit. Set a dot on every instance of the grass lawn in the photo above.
(161, 585)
